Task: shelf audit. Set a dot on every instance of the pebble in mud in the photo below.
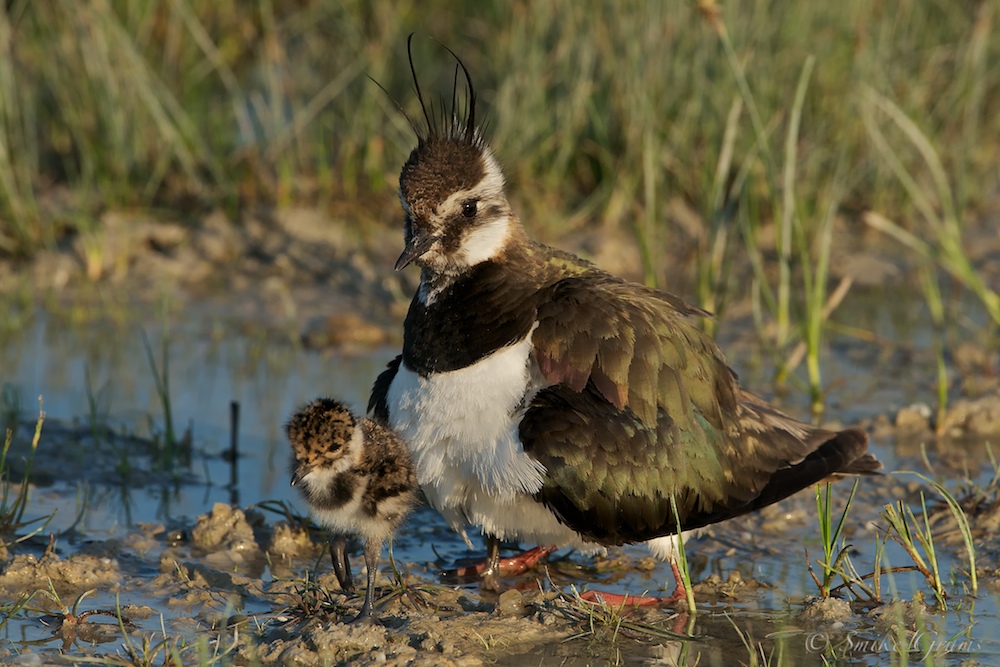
(511, 603)
(913, 420)
(778, 519)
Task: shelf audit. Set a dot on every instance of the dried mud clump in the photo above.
(69, 577)
(734, 586)
(420, 638)
(901, 614)
(978, 417)
(225, 529)
(821, 611)
(966, 418)
(289, 543)
(348, 330)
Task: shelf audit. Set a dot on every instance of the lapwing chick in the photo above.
(547, 401)
(357, 478)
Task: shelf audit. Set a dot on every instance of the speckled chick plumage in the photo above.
(356, 476)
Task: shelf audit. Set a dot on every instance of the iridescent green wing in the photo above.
(642, 407)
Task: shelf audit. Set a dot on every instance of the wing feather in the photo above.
(623, 337)
(641, 407)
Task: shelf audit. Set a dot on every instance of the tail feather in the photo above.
(863, 465)
(843, 453)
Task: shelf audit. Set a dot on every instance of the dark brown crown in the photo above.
(437, 168)
(448, 155)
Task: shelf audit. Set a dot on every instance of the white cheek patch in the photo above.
(485, 241)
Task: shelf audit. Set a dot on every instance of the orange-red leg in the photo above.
(492, 568)
(618, 600)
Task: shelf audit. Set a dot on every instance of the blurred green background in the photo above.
(608, 109)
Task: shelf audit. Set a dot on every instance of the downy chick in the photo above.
(356, 477)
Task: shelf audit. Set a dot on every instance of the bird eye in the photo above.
(469, 208)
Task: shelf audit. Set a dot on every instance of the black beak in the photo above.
(419, 243)
(298, 474)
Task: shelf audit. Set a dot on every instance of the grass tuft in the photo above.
(958, 513)
(905, 529)
(14, 497)
(834, 550)
(942, 216)
(181, 104)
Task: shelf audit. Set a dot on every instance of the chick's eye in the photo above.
(469, 208)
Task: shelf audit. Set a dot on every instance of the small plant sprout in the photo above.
(13, 503)
(683, 567)
(917, 539)
(9, 611)
(833, 557)
(927, 273)
(757, 655)
(880, 541)
(173, 448)
(907, 532)
(963, 525)
(401, 585)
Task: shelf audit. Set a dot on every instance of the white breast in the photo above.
(462, 429)
(463, 423)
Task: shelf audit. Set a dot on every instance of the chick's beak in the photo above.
(419, 242)
(299, 473)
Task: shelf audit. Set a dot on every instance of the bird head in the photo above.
(321, 434)
(456, 212)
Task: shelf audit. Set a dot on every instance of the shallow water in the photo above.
(100, 374)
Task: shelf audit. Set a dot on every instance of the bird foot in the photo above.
(524, 561)
(362, 619)
(617, 600)
(469, 568)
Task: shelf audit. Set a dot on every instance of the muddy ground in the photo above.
(257, 588)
